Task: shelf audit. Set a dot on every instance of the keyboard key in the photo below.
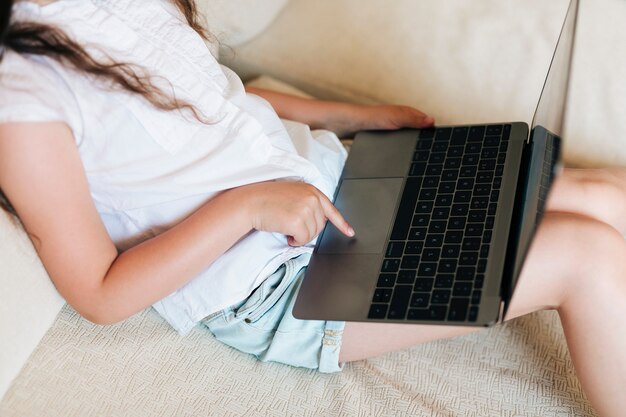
(447, 187)
(417, 169)
(479, 281)
(395, 249)
(493, 208)
(482, 266)
(494, 130)
(501, 159)
(473, 314)
(400, 302)
(474, 229)
(447, 266)
(420, 300)
(468, 258)
(507, 132)
(431, 255)
(417, 233)
(455, 151)
(467, 172)
(487, 165)
(453, 163)
(499, 169)
(431, 182)
(437, 158)
(484, 177)
(386, 280)
(424, 285)
(459, 135)
(456, 223)
(465, 184)
(424, 144)
(449, 175)
(477, 216)
(489, 153)
(427, 133)
(454, 236)
(503, 147)
(490, 222)
(492, 141)
(421, 156)
(441, 213)
(451, 251)
(382, 295)
(444, 200)
(471, 244)
(420, 220)
(484, 251)
(377, 311)
(410, 262)
(390, 265)
(424, 207)
(440, 297)
(476, 133)
(444, 281)
(406, 277)
(434, 241)
(427, 269)
(434, 169)
(462, 196)
(458, 309)
(427, 194)
(443, 134)
(462, 289)
(413, 248)
(480, 203)
(460, 210)
(465, 273)
(440, 146)
(482, 189)
(476, 295)
(471, 159)
(473, 147)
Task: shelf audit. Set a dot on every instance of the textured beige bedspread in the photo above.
(142, 368)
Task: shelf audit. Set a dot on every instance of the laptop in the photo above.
(444, 216)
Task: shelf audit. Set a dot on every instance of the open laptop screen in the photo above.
(552, 104)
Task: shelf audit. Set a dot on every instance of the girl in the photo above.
(146, 175)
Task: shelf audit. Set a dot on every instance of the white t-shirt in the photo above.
(147, 168)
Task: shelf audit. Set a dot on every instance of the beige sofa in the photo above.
(459, 60)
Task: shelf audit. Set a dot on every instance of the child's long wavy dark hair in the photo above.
(39, 39)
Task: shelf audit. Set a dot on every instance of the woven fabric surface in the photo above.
(142, 368)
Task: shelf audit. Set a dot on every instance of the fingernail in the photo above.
(351, 232)
(429, 120)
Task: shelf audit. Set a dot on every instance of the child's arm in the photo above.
(42, 175)
(344, 119)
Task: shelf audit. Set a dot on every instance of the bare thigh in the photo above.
(596, 193)
(555, 254)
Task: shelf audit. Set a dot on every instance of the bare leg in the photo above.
(576, 265)
(596, 193)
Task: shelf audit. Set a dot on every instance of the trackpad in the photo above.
(369, 206)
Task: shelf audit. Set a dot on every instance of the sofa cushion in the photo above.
(29, 303)
(235, 22)
(460, 61)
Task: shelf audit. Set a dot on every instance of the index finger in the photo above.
(335, 217)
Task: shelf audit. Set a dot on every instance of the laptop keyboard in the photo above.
(436, 257)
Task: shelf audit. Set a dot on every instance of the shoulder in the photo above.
(33, 89)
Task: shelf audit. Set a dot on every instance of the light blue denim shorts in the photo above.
(263, 325)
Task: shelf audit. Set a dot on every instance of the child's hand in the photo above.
(295, 209)
(351, 118)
